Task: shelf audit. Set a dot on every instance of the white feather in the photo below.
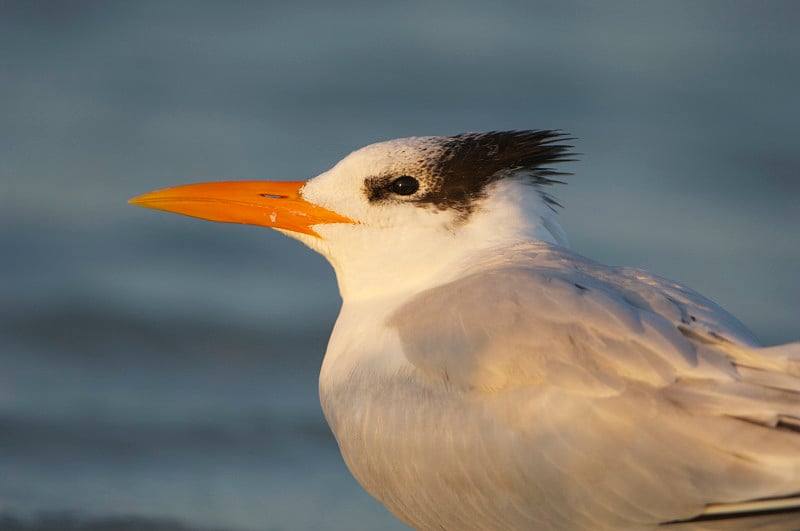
(482, 376)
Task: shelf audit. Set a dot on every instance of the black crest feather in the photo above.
(455, 171)
(471, 161)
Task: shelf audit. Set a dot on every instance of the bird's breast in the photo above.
(403, 436)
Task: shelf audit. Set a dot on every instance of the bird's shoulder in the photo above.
(539, 312)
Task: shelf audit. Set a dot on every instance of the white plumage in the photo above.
(482, 376)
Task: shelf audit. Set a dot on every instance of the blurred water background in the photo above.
(159, 372)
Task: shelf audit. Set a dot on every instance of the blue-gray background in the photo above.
(161, 370)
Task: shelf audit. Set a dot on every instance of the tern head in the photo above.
(400, 214)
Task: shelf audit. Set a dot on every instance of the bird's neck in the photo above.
(378, 263)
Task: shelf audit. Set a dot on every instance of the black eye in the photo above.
(404, 185)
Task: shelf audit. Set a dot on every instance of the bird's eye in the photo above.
(404, 185)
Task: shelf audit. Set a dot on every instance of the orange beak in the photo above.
(276, 204)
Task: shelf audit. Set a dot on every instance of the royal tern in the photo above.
(483, 376)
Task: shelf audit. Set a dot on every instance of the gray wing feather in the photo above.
(629, 392)
(549, 311)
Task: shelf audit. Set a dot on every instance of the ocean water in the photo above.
(159, 372)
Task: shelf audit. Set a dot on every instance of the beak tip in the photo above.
(139, 200)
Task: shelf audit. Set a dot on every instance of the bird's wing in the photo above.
(543, 314)
(773, 514)
(634, 391)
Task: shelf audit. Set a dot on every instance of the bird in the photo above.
(483, 376)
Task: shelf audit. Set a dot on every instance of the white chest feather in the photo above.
(401, 434)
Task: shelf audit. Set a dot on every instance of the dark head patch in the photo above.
(455, 171)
